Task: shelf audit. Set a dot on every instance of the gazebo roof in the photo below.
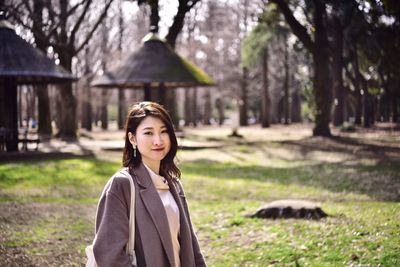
(21, 60)
(154, 63)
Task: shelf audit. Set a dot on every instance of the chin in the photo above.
(158, 158)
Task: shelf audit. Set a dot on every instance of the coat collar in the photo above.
(155, 208)
(142, 176)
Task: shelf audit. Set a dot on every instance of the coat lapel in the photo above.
(156, 210)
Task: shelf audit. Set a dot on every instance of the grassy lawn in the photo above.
(47, 207)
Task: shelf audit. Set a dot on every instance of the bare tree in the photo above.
(60, 32)
(121, 91)
(319, 48)
(44, 116)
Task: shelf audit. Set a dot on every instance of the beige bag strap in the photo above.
(130, 248)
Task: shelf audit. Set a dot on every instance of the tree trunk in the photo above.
(159, 94)
(44, 116)
(358, 111)
(121, 108)
(97, 114)
(384, 108)
(154, 17)
(265, 99)
(337, 68)
(28, 104)
(286, 96)
(170, 104)
(19, 108)
(295, 112)
(395, 114)
(187, 106)
(10, 118)
(220, 108)
(179, 20)
(243, 98)
(357, 85)
(207, 108)
(104, 110)
(190, 107)
(173, 32)
(366, 110)
(384, 105)
(367, 105)
(87, 111)
(322, 79)
(67, 124)
(319, 49)
(194, 107)
(3, 104)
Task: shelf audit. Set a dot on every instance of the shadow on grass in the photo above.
(352, 146)
(16, 157)
(380, 183)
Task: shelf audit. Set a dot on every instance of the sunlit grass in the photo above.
(72, 180)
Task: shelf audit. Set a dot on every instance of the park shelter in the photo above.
(154, 66)
(20, 64)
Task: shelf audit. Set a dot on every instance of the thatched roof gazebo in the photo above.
(154, 65)
(20, 63)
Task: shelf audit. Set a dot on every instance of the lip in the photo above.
(158, 149)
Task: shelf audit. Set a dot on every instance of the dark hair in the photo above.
(136, 115)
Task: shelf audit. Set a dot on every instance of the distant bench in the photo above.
(25, 137)
(28, 137)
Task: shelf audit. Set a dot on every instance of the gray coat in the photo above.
(153, 245)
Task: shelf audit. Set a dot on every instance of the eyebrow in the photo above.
(152, 128)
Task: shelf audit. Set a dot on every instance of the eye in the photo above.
(148, 133)
(164, 131)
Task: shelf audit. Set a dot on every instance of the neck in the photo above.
(153, 165)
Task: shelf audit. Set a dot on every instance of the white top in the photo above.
(171, 208)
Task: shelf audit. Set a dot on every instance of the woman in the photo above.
(164, 235)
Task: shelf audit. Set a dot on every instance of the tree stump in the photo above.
(290, 208)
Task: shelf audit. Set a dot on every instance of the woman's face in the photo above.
(152, 140)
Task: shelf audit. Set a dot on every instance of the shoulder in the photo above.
(121, 176)
(119, 183)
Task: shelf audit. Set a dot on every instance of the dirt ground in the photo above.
(18, 216)
(381, 142)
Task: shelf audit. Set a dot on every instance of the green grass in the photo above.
(63, 181)
(223, 186)
(51, 234)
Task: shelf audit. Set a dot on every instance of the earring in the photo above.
(134, 150)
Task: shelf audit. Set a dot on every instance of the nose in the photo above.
(157, 140)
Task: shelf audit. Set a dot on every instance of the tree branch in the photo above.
(299, 30)
(79, 22)
(74, 8)
(192, 4)
(16, 15)
(179, 19)
(53, 32)
(28, 7)
(89, 36)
